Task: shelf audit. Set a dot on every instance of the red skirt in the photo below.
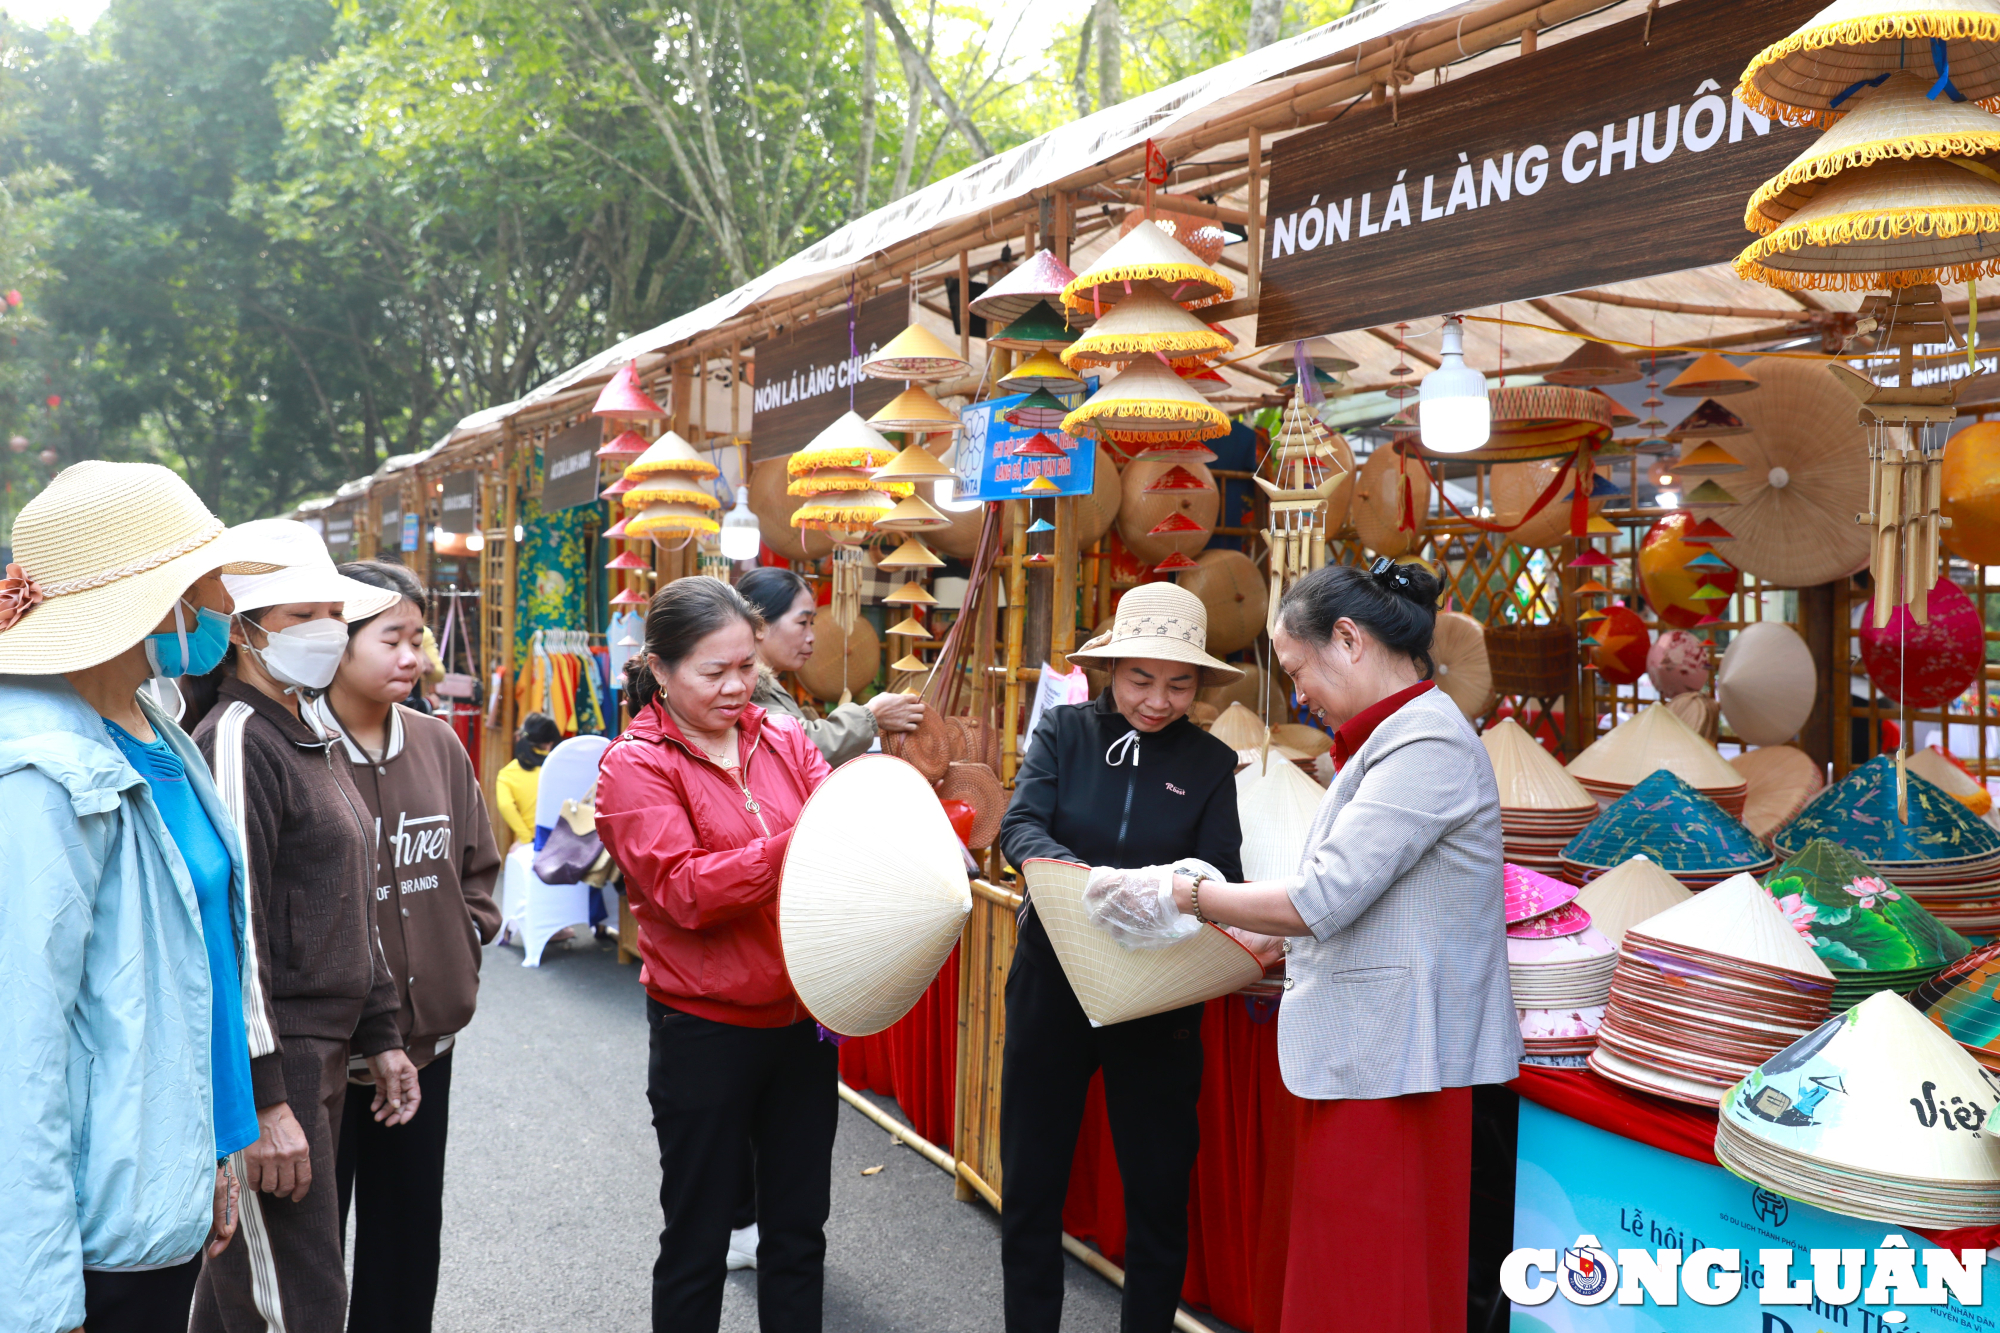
(1381, 1209)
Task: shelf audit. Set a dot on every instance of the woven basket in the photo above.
(1533, 660)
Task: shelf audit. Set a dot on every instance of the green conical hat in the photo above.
(1859, 813)
(1968, 1005)
(1858, 921)
(1041, 328)
(1672, 825)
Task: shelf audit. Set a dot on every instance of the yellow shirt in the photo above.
(514, 793)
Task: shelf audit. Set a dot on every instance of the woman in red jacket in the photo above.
(696, 802)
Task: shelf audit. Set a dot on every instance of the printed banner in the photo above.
(458, 508)
(989, 469)
(569, 467)
(804, 379)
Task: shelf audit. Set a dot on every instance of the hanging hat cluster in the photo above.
(1559, 966)
(1869, 933)
(1926, 843)
(1875, 1114)
(664, 495)
(1706, 991)
(1674, 826)
(1779, 780)
(621, 403)
(835, 475)
(1541, 806)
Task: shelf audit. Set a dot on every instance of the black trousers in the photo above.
(715, 1087)
(395, 1178)
(1152, 1080)
(154, 1301)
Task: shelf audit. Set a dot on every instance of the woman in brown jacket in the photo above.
(433, 899)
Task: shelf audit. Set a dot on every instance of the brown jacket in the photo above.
(308, 850)
(841, 735)
(436, 865)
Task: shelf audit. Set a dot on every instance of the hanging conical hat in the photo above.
(830, 480)
(1239, 729)
(1139, 325)
(1859, 921)
(1323, 354)
(1144, 400)
(847, 511)
(916, 354)
(1654, 740)
(1710, 375)
(623, 396)
(1859, 812)
(872, 896)
(1663, 818)
(668, 520)
(1034, 280)
(1041, 328)
(1632, 892)
(1781, 780)
(1897, 223)
(1927, 665)
(1115, 984)
(1276, 808)
(773, 506)
(1591, 364)
(914, 410)
(859, 651)
(847, 442)
(1145, 254)
(1529, 777)
(912, 554)
(1710, 420)
(1850, 42)
(1516, 487)
(1379, 502)
(1042, 371)
(1458, 648)
(915, 463)
(676, 488)
(1766, 683)
(670, 453)
(912, 514)
(1949, 778)
(1736, 919)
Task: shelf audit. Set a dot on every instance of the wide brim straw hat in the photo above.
(1115, 984)
(1139, 325)
(104, 553)
(1145, 254)
(1145, 400)
(1164, 621)
(872, 895)
(307, 573)
(1894, 224)
(1896, 120)
(1796, 79)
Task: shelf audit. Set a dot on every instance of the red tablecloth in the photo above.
(915, 1060)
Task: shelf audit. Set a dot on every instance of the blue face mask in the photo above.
(184, 652)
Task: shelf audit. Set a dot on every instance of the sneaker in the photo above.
(743, 1247)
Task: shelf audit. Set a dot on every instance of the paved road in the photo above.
(551, 1209)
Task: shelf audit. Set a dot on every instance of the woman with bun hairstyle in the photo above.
(1396, 993)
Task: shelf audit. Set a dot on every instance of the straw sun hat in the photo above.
(1165, 621)
(102, 555)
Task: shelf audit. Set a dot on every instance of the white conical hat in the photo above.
(1781, 780)
(1735, 919)
(1529, 777)
(1116, 984)
(1276, 808)
(1628, 894)
(872, 897)
(1654, 740)
(1766, 683)
(1239, 729)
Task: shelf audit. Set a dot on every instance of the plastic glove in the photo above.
(1137, 906)
(1196, 868)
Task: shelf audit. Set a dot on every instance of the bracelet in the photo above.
(1194, 898)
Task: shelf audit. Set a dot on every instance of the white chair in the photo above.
(567, 774)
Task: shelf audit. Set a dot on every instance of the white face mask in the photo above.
(305, 656)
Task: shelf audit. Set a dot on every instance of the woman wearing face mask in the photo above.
(696, 802)
(124, 1079)
(786, 603)
(323, 983)
(434, 907)
(1124, 781)
(520, 779)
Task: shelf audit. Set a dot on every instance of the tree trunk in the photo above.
(864, 161)
(1110, 47)
(1265, 17)
(1080, 81)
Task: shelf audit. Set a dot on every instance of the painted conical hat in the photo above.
(670, 453)
(1115, 984)
(1859, 813)
(1654, 740)
(916, 354)
(1276, 808)
(1628, 894)
(1042, 371)
(1037, 278)
(1041, 327)
(1781, 780)
(1797, 78)
(1145, 254)
(1859, 921)
(1766, 683)
(1843, 1095)
(1964, 1000)
(1239, 729)
(872, 896)
(1139, 325)
(1143, 400)
(1735, 919)
(1529, 777)
(1531, 893)
(1804, 478)
(848, 442)
(1897, 223)
(1709, 420)
(1464, 673)
(1673, 824)
(1955, 782)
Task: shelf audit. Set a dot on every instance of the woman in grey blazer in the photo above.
(1396, 993)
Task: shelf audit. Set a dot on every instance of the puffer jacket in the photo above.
(106, 1103)
(701, 865)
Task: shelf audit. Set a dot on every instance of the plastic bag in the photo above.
(1137, 906)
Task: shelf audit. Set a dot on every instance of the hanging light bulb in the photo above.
(518, 534)
(475, 541)
(1452, 410)
(740, 535)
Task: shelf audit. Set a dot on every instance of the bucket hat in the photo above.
(1165, 621)
(305, 573)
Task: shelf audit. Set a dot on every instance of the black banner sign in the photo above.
(569, 467)
(802, 377)
(459, 507)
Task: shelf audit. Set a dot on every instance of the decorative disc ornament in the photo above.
(1622, 645)
(1925, 666)
(1677, 663)
(1668, 582)
(1972, 493)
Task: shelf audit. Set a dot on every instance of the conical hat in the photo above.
(916, 354)
(1653, 740)
(1859, 813)
(1464, 673)
(1735, 919)
(847, 442)
(1139, 325)
(912, 514)
(1671, 823)
(1308, 741)
(1276, 808)
(1867, 1066)
(1850, 42)
(1860, 922)
(1035, 279)
(1041, 327)
(677, 488)
(872, 896)
(1529, 777)
(1531, 893)
(1146, 399)
(843, 510)
(914, 409)
(1804, 478)
(622, 396)
(1766, 683)
(1710, 420)
(662, 520)
(1239, 729)
(1115, 984)
(1897, 223)
(1964, 1000)
(1042, 371)
(1594, 363)
(915, 463)
(670, 453)
(1145, 254)
(1628, 894)
(1954, 781)
(1710, 375)
(1781, 780)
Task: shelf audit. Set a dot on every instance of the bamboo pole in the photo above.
(1017, 610)
(1062, 609)
(1254, 213)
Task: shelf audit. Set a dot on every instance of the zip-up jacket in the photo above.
(308, 845)
(701, 848)
(1097, 791)
(435, 863)
(842, 734)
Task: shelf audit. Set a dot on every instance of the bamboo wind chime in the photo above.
(1307, 474)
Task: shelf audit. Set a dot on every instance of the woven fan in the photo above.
(1115, 984)
(1276, 808)
(872, 896)
(978, 786)
(1458, 648)
(1805, 477)
(927, 749)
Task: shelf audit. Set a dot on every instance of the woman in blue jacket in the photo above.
(124, 1070)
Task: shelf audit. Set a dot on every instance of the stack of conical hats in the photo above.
(1655, 739)
(1628, 894)
(1869, 933)
(1964, 1000)
(1541, 806)
(1706, 991)
(1944, 856)
(1875, 1114)
(664, 493)
(1673, 825)
(1559, 966)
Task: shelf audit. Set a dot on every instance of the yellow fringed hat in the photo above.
(1141, 324)
(673, 488)
(1808, 77)
(670, 453)
(669, 520)
(1143, 402)
(830, 480)
(1894, 224)
(844, 510)
(1147, 254)
(849, 442)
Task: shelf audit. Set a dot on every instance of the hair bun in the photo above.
(1412, 582)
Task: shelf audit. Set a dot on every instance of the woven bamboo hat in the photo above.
(1276, 808)
(1625, 895)
(1042, 371)
(916, 354)
(1238, 728)
(1766, 683)
(1039, 277)
(1516, 487)
(1143, 401)
(1594, 363)
(1392, 490)
(872, 896)
(1529, 777)
(1139, 325)
(1838, 51)
(1804, 478)
(1115, 984)
(914, 410)
(1781, 778)
(1165, 621)
(847, 442)
(1647, 743)
(1896, 223)
(101, 556)
(670, 453)
(1464, 673)
(1145, 254)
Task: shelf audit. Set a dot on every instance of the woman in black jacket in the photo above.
(1124, 781)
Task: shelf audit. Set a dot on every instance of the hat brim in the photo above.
(277, 585)
(85, 629)
(1214, 671)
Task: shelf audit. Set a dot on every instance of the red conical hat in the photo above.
(622, 397)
